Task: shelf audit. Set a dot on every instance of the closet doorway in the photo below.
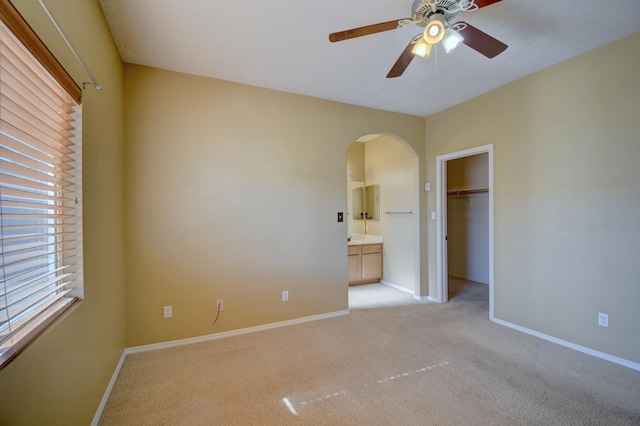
(464, 219)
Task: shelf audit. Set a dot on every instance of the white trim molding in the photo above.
(107, 392)
(441, 221)
(406, 290)
(225, 334)
(575, 347)
(397, 287)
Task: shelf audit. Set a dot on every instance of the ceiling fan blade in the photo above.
(363, 31)
(404, 60)
(483, 3)
(481, 41)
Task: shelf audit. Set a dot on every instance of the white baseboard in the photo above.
(107, 392)
(225, 334)
(579, 348)
(432, 299)
(397, 287)
(215, 336)
(406, 290)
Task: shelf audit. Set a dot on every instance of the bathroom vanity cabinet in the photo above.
(365, 263)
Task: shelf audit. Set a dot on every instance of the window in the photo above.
(40, 193)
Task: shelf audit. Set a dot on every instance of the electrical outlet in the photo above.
(285, 296)
(603, 319)
(220, 305)
(168, 311)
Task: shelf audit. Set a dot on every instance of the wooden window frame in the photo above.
(39, 152)
(23, 32)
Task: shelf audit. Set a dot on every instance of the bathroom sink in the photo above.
(356, 239)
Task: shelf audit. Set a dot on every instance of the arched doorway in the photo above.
(392, 167)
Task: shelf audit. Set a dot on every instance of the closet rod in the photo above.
(93, 82)
(411, 212)
(468, 191)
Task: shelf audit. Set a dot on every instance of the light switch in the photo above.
(340, 217)
(427, 186)
(433, 215)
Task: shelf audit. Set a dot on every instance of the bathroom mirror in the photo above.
(366, 203)
(372, 202)
(358, 203)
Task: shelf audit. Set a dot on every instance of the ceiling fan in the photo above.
(434, 16)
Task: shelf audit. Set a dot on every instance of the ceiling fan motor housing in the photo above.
(424, 9)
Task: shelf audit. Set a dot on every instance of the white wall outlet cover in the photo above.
(603, 319)
(427, 186)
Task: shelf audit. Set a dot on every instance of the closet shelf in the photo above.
(468, 191)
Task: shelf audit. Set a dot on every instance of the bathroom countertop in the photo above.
(357, 239)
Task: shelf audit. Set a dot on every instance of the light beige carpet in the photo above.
(420, 364)
(369, 296)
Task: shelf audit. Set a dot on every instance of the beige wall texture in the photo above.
(355, 162)
(394, 167)
(61, 377)
(567, 198)
(232, 193)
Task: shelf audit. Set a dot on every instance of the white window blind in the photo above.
(41, 229)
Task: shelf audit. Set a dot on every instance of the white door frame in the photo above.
(441, 221)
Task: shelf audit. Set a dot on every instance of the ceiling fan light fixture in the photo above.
(451, 40)
(434, 31)
(421, 48)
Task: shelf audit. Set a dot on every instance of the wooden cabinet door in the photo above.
(371, 266)
(354, 267)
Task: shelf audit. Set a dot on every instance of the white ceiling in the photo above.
(284, 45)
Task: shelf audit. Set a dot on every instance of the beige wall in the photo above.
(394, 167)
(61, 377)
(355, 162)
(567, 228)
(232, 193)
